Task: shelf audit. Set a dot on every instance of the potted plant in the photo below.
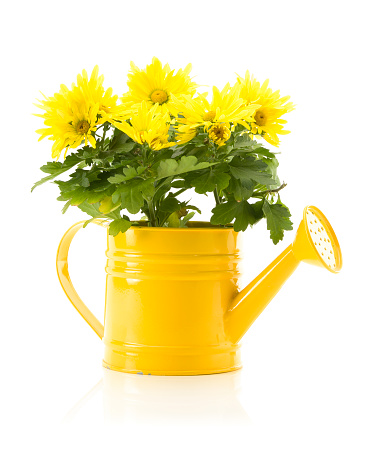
(162, 139)
(172, 299)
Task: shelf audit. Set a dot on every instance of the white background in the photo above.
(307, 388)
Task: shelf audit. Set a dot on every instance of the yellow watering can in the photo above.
(172, 301)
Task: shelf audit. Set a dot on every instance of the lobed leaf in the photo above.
(249, 168)
(210, 179)
(119, 225)
(244, 214)
(277, 220)
(171, 167)
(133, 194)
(54, 169)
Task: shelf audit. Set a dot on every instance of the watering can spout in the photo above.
(315, 243)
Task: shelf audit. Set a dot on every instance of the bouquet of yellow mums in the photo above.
(141, 152)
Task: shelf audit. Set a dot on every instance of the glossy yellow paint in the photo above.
(173, 305)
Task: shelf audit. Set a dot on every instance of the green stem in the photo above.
(162, 183)
(264, 193)
(216, 196)
(164, 220)
(152, 219)
(105, 129)
(179, 192)
(144, 154)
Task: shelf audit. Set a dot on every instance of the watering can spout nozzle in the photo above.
(315, 243)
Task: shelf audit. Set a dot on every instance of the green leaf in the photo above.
(76, 196)
(263, 152)
(121, 142)
(170, 167)
(101, 183)
(88, 221)
(244, 213)
(166, 153)
(240, 190)
(133, 193)
(208, 180)
(107, 206)
(273, 164)
(200, 152)
(179, 184)
(277, 219)
(85, 182)
(163, 188)
(191, 207)
(245, 216)
(140, 170)
(128, 174)
(124, 148)
(55, 169)
(52, 167)
(79, 178)
(245, 141)
(249, 168)
(117, 178)
(79, 194)
(224, 150)
(224, 213)
(186, 218)
(119, 225)
(66, 206)
(170, 205)
(94, 197)
(91, 209)
(173, 220)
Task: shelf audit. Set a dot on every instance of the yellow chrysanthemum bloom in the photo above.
(147, 126)
(73, 115)
(185, 133)
(92, 90)
(69, 120)
(226, 107)
(156, 84)
(267, 118)
(219, 133)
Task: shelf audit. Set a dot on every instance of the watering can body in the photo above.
(167, 292)
(173, 305)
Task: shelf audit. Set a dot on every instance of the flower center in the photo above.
(159, 96)
(219, 131)
(82, 127)
(219, 134)
(209, 116)
(260, 118)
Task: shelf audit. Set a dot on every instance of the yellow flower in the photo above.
(84, 121)
(267, 118)
(156, 84)
(185, 133)
(93, 92)
(148, 126)
(226, 107)
(73, 115)
(69, 121)
(219, 133)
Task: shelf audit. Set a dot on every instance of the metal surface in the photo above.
(172, 301)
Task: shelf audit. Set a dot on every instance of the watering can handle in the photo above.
(66, 283)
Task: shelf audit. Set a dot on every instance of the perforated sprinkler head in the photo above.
(316, 241)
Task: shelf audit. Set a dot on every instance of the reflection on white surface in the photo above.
(169, 399)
